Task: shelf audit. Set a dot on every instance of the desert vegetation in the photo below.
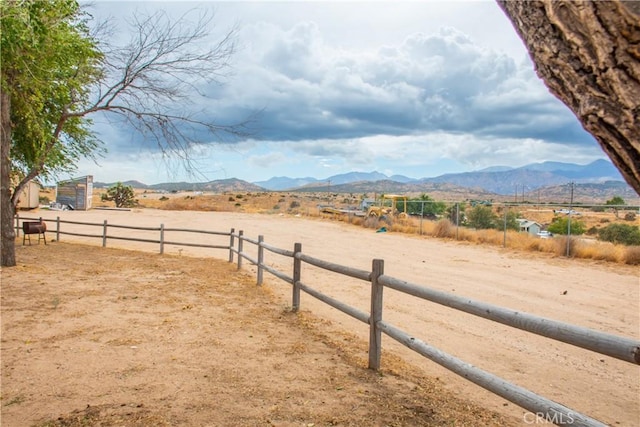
(600, 233)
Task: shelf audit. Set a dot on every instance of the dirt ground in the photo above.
(94, 336)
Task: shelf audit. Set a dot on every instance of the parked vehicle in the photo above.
(566, 212)
(388, 207)
(544, 234)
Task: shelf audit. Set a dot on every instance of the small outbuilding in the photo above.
(30, 196)
(75, 193)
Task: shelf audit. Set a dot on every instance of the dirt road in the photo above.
(600, 296)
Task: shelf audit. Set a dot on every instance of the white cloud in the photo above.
(408, 87)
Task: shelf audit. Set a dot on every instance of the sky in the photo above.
(415, 88)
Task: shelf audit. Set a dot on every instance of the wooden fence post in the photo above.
(231, 245)
(375, 334)
(297, 272)
(17, 224)
(161, 239)
(104, 234)
(57, 229)
(240, 241)
(260, 259)
(457, 219)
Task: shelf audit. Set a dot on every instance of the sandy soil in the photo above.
(595, 295)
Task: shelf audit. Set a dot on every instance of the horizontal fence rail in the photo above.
(105, 236)
(622, 348)
(518, 395)
(600, 342)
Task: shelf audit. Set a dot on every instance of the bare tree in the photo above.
(588, 54)
(148, 83)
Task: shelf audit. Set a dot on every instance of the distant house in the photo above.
(528, 226)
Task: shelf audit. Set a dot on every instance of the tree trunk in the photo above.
(7, 209)
(588, 54)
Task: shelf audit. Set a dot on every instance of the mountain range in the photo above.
(600, 177)
(496, 179)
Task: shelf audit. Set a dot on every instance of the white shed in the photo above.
(30, 196)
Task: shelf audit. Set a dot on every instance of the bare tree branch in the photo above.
(163, 66)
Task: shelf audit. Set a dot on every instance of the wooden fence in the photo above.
(622, 348)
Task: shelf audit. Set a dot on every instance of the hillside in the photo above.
(595, 183)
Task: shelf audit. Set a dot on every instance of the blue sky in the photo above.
(418, 88)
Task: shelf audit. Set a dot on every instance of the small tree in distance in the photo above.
(560, 225)
(482, 217)
(615, 203)
(122, 195)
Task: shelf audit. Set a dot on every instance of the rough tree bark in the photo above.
(588, 54)
(7, 210)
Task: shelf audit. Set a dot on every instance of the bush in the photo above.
(561, 246)
(375, 222)
(630, 216)
(560, 225)
(444, 228)
(482, 217)
(632, 255)
(620, 233)
(122, 195)
(294, 204)
(512, 222)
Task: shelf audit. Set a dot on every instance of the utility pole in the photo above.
(571, 185)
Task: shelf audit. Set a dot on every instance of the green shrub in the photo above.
(620, 233)
(122, 195)
(482, 217)
(560, 225)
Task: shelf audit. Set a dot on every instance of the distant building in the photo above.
(75, 193)
(365, 203)
(528, 226)
(30, 196)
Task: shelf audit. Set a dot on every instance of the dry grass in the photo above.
(307, 204)
(632, 255)
(216, 350)
(444, 229)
